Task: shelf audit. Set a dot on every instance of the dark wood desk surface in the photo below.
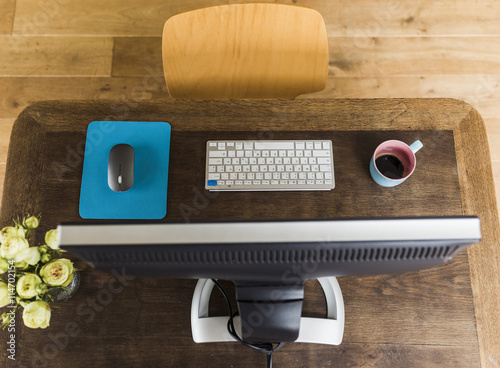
(442, 317)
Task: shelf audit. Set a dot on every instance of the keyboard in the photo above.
(250, 165)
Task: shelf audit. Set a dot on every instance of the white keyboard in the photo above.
(269, 165)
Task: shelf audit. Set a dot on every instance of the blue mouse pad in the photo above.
(147, 198)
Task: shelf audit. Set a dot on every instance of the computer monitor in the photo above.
(269, 260)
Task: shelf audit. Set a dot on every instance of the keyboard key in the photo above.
(217, 154)
(276, 145)
(322, 153)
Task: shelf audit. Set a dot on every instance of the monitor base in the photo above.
(329, 330)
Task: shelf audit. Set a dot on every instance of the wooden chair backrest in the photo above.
(245, 51)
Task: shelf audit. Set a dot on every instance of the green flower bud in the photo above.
(31, 222)
(43, 249)
(41, 288)
(37, 314)
(46, 258)
(58, 272)
(51, 239)
(27, 284)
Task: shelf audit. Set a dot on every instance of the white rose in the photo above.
(13, 245)
(58, 272)
(36, 314)
(29, 255)
(51, 239)
(4, 294)
(27, 284)
(11, 232)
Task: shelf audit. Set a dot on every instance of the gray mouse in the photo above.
(121, 167)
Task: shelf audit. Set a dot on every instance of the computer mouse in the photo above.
(121, 167)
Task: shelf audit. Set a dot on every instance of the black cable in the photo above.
(266, 348)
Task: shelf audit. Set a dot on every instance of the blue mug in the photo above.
(404, 157)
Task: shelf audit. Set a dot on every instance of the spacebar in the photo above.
(274, 145)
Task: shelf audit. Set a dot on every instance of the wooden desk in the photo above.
(442, 317)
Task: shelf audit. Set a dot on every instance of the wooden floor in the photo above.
(61, 49)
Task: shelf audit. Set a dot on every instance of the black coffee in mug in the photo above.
(390, 166)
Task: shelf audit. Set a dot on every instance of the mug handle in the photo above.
(415, 146)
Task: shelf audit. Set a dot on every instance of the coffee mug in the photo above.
(393, 162)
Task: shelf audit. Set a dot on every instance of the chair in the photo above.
(245, 51)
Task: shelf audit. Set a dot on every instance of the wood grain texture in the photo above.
(493, 132)
(137, 56)
(117, 18)
(5, 129)
(19, 92)
(481, 91)
(343, 18)
(408, 18)
(47, 56)
(245, 51)
(476, 182)
(376, 56)
(496, 175)
(415, 319)
(7, 16)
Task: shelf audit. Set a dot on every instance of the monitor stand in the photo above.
(327, 330)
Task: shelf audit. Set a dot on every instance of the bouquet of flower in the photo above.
(32, 273)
